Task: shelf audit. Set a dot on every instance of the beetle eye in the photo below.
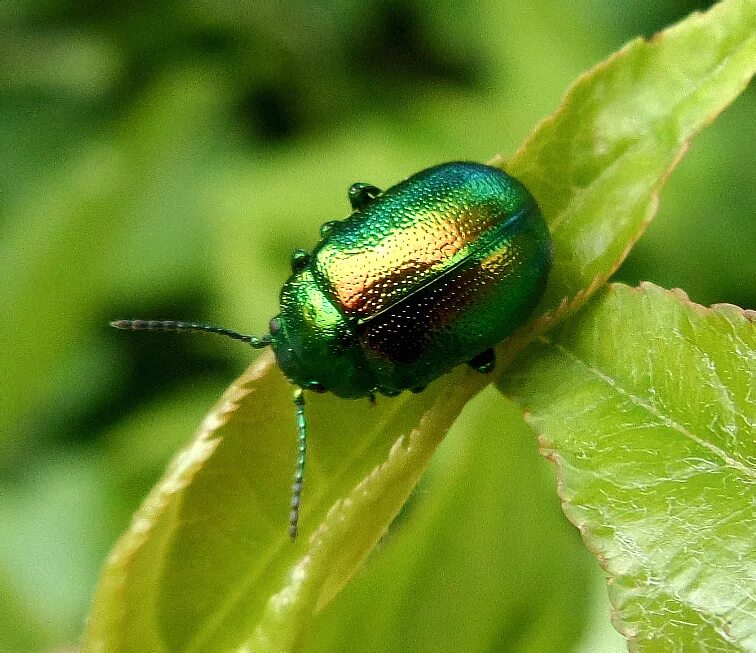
(316, 387)
(274, 326)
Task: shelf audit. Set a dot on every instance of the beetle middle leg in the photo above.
(360, 195)
(484, 362)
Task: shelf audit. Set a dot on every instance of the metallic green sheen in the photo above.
(429, 274)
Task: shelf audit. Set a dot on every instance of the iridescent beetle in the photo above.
(428, 274)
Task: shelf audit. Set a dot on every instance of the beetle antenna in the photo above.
(172, 325)
(296, 488)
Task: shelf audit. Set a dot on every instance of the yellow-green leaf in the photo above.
(645, 403)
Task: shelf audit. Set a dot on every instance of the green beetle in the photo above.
(428, 274)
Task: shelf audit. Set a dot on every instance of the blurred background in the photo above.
(164, 159)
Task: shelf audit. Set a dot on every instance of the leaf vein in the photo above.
(641, 402)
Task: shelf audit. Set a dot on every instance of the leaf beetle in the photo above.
(419, 278)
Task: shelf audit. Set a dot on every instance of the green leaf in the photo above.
(645, 404)
(464, 569)
(207, 563)
(597, 166)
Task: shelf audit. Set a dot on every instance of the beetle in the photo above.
(422, 277)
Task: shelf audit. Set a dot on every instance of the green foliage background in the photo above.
(164, 162)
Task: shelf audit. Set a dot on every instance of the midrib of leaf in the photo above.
(242, 587)
(649, 407)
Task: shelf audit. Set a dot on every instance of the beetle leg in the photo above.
(484, 362)
(327, 227)
(371, 398)
(360, 195)
(417, 389)
(299, 260)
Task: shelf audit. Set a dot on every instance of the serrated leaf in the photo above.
(207, 563)
(645, 403)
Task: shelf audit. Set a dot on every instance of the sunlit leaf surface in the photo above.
(645, 403)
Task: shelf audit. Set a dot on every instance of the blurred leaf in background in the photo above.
(163, 160)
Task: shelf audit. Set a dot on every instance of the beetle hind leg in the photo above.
(484, 362)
